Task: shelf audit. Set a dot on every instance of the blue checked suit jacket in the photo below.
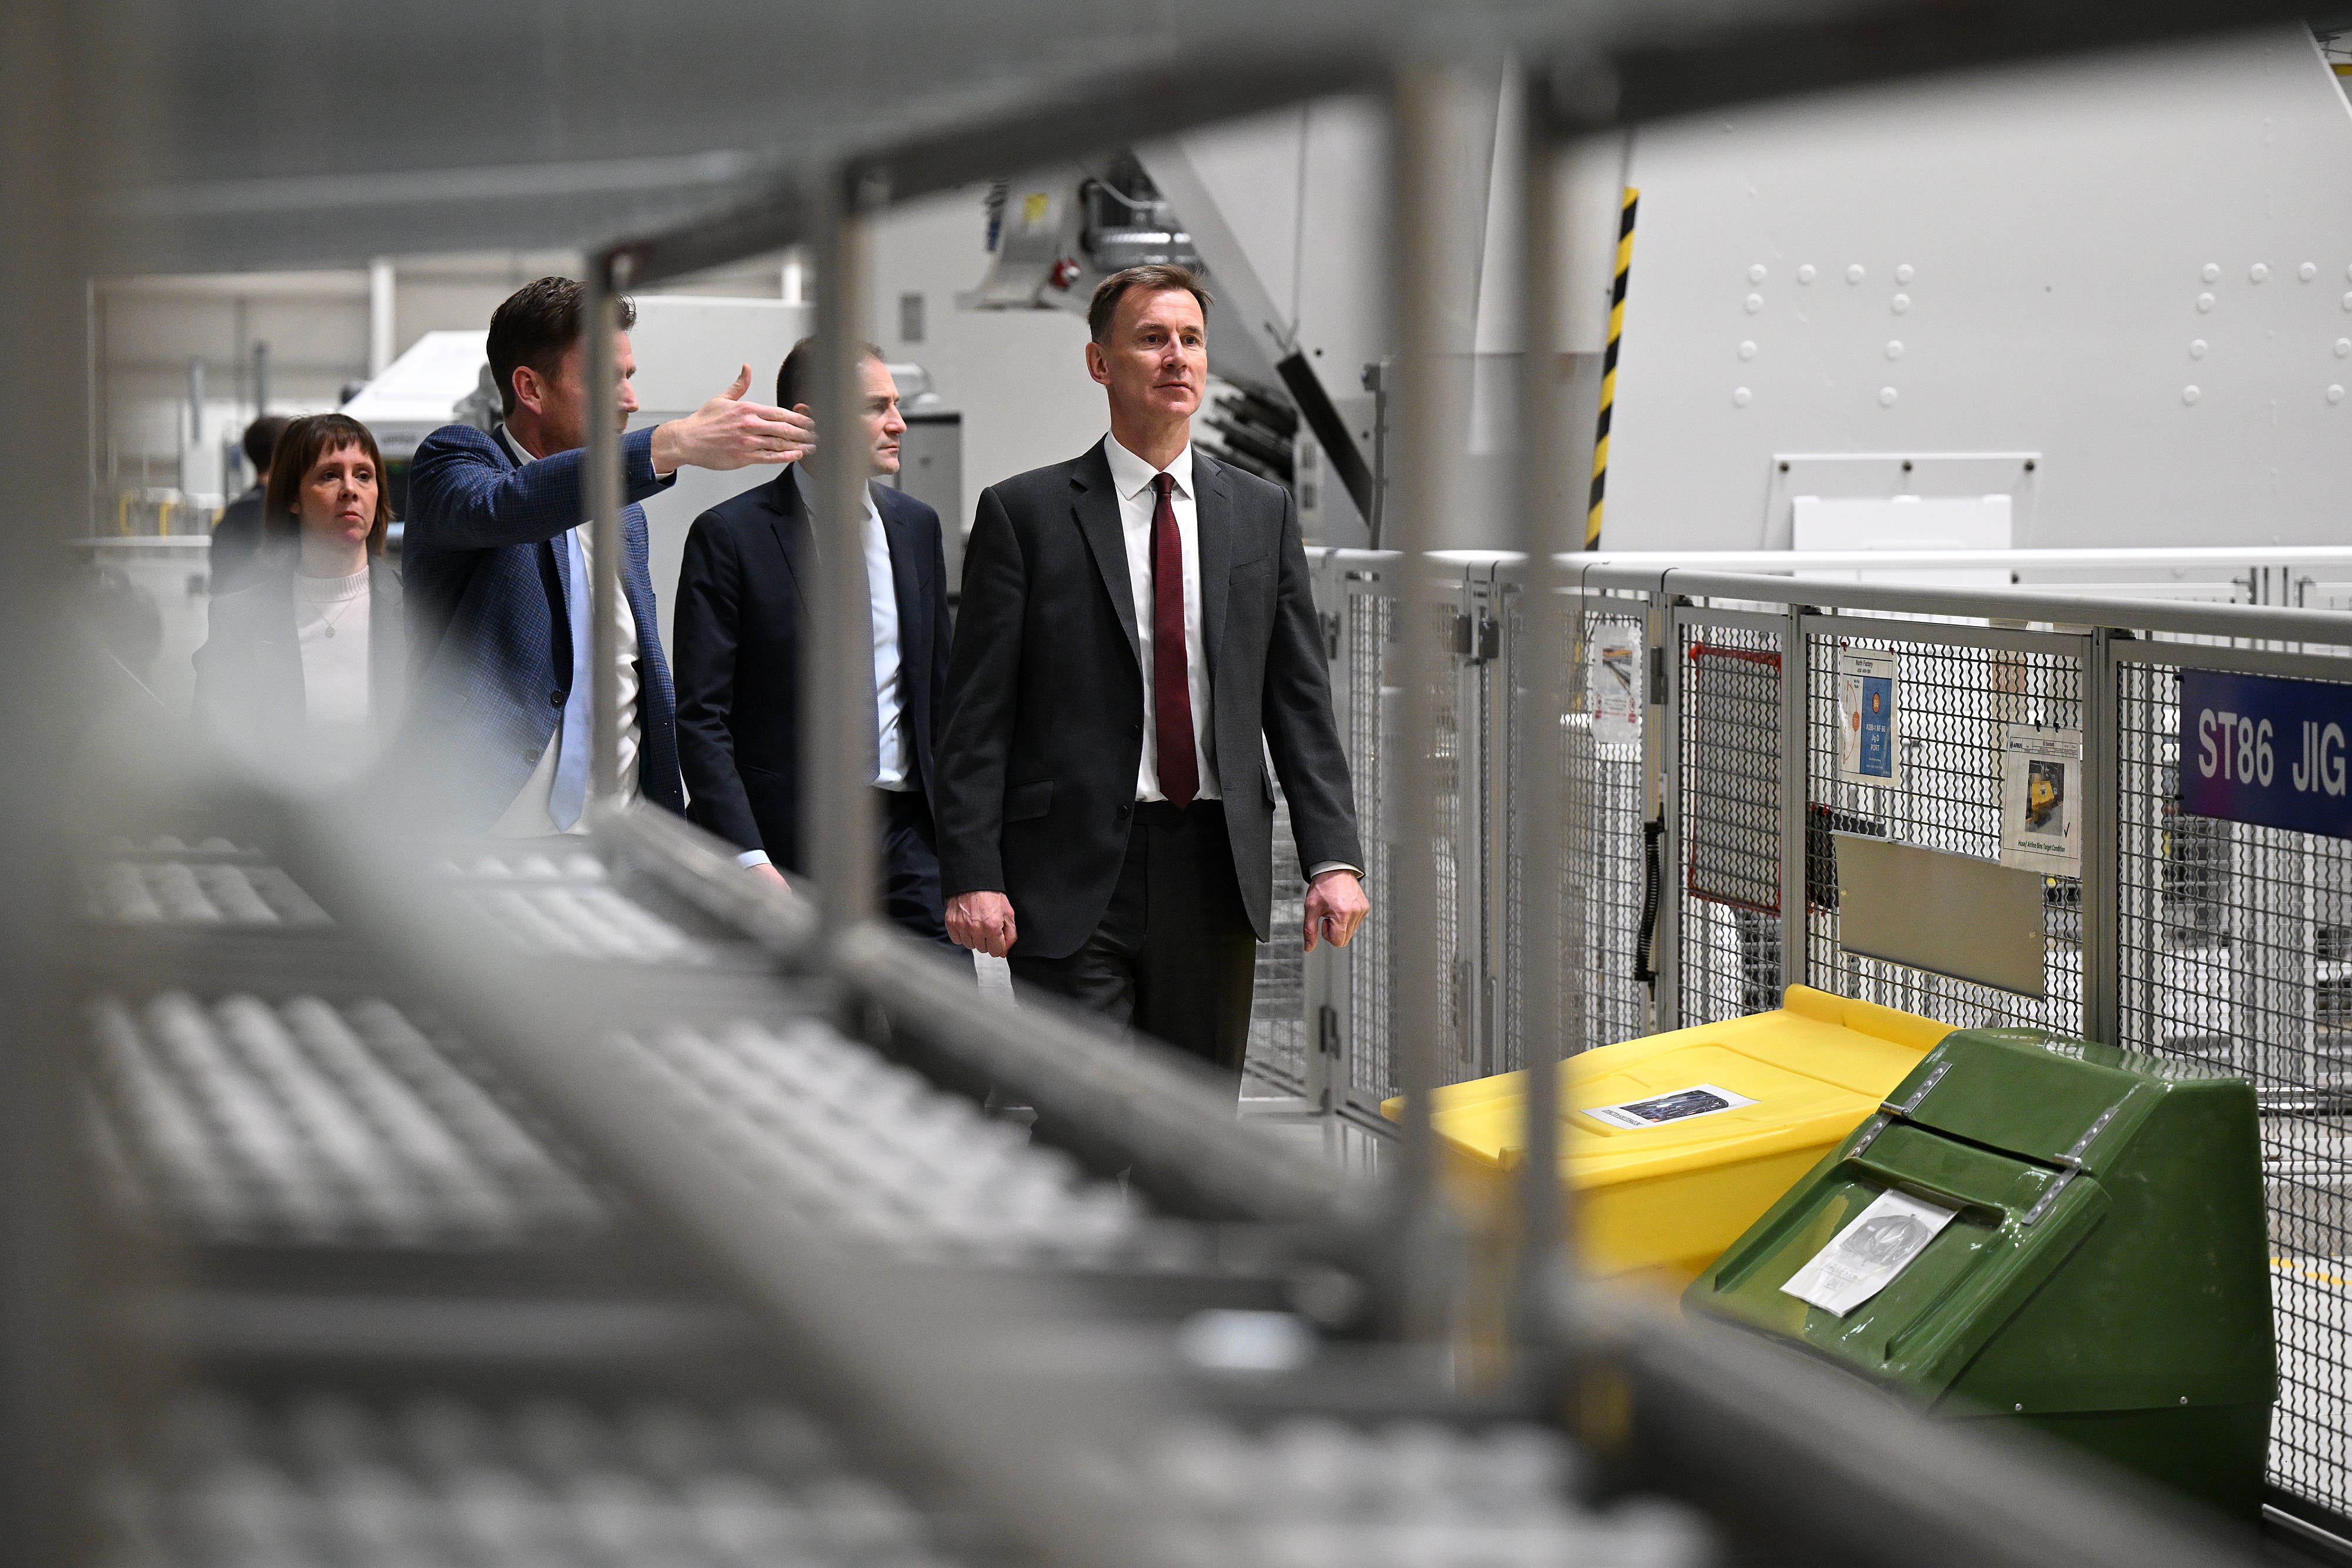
(489, 640)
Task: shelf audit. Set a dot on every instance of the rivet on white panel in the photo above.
(1902, 303)
(2189, 394)
(1748, 350)
(1894, 348)
(1755, 303)
(2336, 394)
(2257, 272)
(2205, 302)
(1886, 397)
(1854, 273)
(2196, 348)
(2307, 271)
(1756, 272)
(1806, 273)
(2343, 347)
(1905, 273)
(2211, 271)
(1741, 397)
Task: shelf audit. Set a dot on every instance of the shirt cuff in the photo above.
(1315, 871)
(750, 858)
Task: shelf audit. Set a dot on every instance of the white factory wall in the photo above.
(2139, 270)
(1019, 376)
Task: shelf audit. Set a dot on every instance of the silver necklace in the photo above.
(340, 614)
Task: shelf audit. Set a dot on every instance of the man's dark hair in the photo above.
(261, 439)
(1151, 278)
(793, 375)
(537, 326)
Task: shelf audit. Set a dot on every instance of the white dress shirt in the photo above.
(1131, 480)
(895, 747)
(527, 817)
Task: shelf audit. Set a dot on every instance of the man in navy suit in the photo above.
(497, 564)
(743, 600)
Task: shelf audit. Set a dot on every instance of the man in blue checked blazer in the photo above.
(496, 563)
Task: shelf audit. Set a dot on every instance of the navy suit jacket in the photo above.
(489, 635)
(743, 593)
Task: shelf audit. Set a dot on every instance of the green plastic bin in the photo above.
(2101, 1271)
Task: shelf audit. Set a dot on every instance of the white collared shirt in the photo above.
(527, 817)
(1131, 480)
(893, 746)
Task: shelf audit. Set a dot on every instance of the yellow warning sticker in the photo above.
(1035, 206)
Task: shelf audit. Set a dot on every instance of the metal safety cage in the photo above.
(1350, 1020)
(1705, 799)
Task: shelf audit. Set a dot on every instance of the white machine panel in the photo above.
(2137, 267)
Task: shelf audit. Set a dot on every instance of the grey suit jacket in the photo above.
(1043, 729)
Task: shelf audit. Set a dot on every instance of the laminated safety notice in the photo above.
(1864, 1258)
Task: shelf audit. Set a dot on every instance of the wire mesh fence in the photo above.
(1369, 638)
(2221, 942)
(1958, 703)
(2233, 952)
(1731, 870)
(1598, 897)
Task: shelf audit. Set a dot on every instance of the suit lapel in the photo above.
(555, 557)
(1095, 504)
(906, 585)
(1212, 516)
(790, 526)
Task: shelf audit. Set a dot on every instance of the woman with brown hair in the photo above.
(307, 665)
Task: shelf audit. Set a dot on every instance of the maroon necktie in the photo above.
(1171, 693)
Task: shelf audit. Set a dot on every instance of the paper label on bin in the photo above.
(1681, 1105)
(1864, 1258)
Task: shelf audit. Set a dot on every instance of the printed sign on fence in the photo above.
(1869, 687)
(2041, 800)
(1612, 680)
(2260, 749)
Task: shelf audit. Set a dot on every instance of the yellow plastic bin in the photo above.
(1676, 1144)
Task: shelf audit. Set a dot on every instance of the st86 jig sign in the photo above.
(2256, 749)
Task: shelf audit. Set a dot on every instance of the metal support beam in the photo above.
(2103, 830)
(1551, 988)
(1796, 787)
(1429, 207)
(837, 692)
(608, 276)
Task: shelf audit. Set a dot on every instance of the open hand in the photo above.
(1336, 906)
(731, 432)
(982, 922)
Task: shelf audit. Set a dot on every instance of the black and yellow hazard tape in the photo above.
(1608, 366)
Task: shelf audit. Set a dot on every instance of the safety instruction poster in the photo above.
(1869, 693)
(1613, 687)
(2041, 800)
(1864, 1258)
(1658, 1109)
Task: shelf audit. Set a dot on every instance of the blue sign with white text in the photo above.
(1879, 725)
(2256, 749)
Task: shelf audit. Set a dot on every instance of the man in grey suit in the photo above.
(1137, 637)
